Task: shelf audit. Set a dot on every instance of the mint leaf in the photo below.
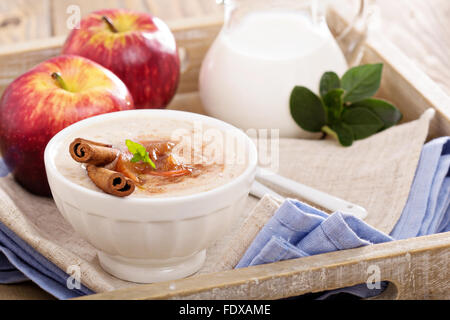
(139, 153)
(133, 147)
(148, 160)
(307, 109)
(389, 114)
(328, 82)
(363, 122)
(136, 158)
(361, 82)
(334, 104)
(345, 108)
(342, 132)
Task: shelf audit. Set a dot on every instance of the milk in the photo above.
(248, 75)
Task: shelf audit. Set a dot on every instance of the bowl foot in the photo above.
(150, 270)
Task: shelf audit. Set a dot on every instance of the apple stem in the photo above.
(110, 24)
(57, 77)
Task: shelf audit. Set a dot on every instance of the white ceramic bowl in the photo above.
(149, 240)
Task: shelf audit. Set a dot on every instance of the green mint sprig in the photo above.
(345, 108)
(139, 153)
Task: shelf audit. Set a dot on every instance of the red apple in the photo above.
(45, 100)
(139, 48)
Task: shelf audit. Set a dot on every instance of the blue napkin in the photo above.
(31, 265)
(8, 273)
(427, 209)
(298, 230)
(20, 262)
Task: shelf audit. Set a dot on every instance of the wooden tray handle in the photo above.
(417, 269)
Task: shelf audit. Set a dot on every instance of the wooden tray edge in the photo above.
(397, 262)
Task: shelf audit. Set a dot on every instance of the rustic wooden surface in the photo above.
(402, 263)
(421, 29)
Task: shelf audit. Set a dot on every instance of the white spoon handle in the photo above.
(317, 197)
(259, 190)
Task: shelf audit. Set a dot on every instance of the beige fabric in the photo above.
(376, 173)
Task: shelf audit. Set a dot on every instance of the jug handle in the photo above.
(352, 38)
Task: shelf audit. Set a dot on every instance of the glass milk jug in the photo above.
(265, 49)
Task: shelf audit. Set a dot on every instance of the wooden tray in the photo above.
(416, 268)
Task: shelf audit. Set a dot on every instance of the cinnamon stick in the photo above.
(109, 181)
(90, 152)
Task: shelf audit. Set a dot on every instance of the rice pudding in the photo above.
(187, 156)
